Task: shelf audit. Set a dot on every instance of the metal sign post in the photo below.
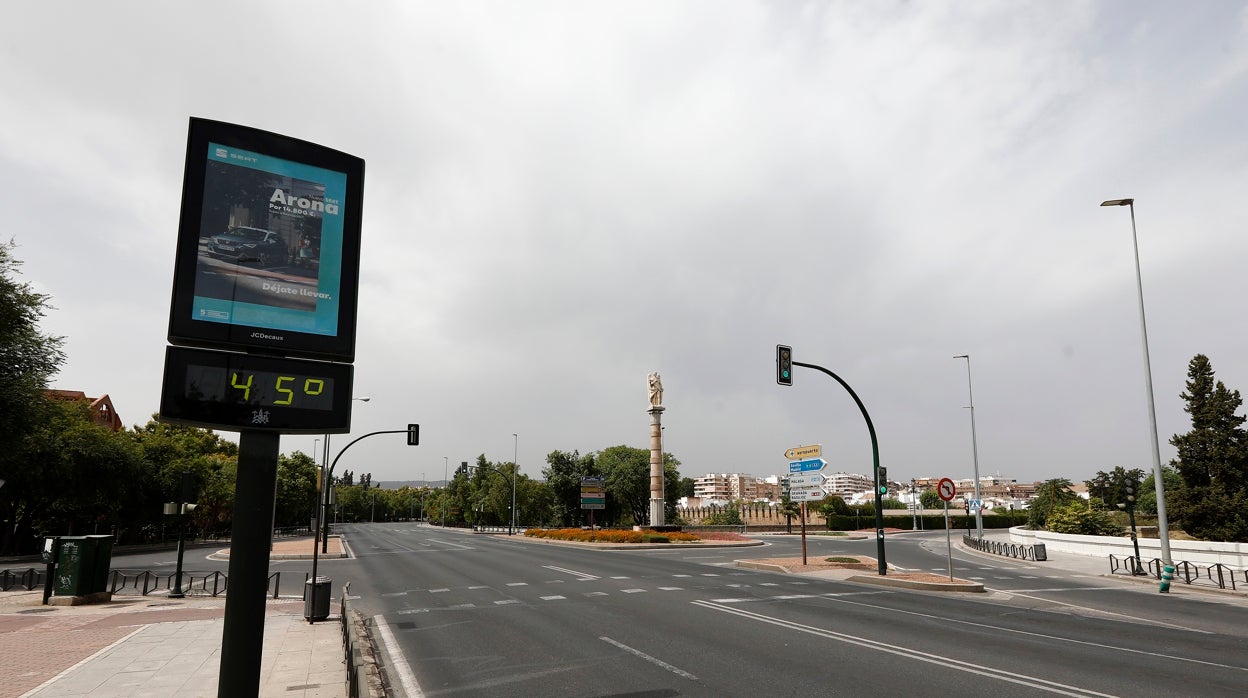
(803, 534)
(946, 490)
(948, 541)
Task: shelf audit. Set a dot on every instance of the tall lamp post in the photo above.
(324, 503)
(515, 471)
(979, 512)
(445, 502)
(1163, 530)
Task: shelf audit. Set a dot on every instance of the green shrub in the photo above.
(1079, 519)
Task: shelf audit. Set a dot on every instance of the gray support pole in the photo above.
(242, 640)
(1163, 527)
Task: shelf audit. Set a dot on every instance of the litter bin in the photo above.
(316, 598)
(1041, 553)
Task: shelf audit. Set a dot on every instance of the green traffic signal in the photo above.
(784, 365)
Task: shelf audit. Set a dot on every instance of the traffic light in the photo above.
(413, 434)
(1129, 488)
(784, 365)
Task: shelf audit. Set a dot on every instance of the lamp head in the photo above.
(1118, 202)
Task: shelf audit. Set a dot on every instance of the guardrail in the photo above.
(28, 579)
(1191, 573)
(1035, 552)
(363, 672)
(147, 582)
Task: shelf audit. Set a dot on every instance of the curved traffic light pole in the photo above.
(325, 482)
(875, 457)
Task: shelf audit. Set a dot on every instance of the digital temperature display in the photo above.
(262, 388)
(242, 392)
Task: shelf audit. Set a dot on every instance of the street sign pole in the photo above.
(803, 534)
(948, 541)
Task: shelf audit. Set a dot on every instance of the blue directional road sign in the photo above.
(806, 466)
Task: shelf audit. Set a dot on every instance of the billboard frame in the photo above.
(262, 324)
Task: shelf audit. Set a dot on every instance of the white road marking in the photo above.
(943, 661)
(398, 663)
(585, 576)
(652, 660)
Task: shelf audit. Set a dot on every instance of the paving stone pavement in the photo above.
(156, 646)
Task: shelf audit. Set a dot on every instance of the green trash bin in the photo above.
(82, 565)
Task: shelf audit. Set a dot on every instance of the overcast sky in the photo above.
(563, 197)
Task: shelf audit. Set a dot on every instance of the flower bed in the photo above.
(611, 535)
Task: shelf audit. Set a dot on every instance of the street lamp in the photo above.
(515, 470)
(979, 511)
(1163, 530)
(445, 501)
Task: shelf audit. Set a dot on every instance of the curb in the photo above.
(847, 574)
(956, 585)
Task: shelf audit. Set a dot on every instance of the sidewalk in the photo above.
(156, 646)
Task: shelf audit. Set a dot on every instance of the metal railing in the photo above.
(210, 584)
(997, 547)
(28, 579)
(1191, 573)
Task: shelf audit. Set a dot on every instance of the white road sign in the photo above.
(813, 494)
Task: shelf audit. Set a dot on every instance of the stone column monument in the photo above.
(656, 449)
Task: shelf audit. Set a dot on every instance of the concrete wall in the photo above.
(1197, 552)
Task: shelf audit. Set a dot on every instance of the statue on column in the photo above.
(656, 389)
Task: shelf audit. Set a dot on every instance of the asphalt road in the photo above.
(487, 616)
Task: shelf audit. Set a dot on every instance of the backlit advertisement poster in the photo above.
(266, 226)
(268, 245)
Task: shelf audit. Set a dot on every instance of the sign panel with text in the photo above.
(268, 245)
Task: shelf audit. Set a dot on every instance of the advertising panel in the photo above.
(268, 245)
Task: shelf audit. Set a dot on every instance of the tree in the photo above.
(168, 450)
(1110, 489)
(930, 499)
(1215, 451)
(296, 490)
(1050, 495)
(563, 473)
(1146, 494)
(687, 486)
(627, 474)
(1212, 459)
(728, 515)
(28, 358)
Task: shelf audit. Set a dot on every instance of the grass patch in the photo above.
(844, 560)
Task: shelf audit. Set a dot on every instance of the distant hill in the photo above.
(400, 484)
